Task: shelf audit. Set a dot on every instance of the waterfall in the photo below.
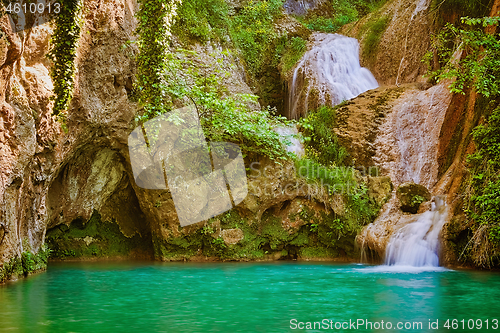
(331, 67)
(417, 244)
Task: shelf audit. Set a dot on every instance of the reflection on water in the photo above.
(238, 297)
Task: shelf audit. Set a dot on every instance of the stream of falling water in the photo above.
(332, 67)
(331, 73)
(417, 244)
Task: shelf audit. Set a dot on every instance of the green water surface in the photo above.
(246, 297)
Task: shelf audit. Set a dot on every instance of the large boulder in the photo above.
(411, 195)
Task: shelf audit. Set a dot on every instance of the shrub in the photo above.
(342, 13)
(324, 24)
(478, 69)
(321, 141)
(253, 32)
(289, 52)
(202, 20)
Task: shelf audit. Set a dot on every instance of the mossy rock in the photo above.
(411, 195)
(95, 238)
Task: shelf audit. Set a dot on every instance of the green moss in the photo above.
(318, 252)
(267, 240)
(302, 238)
(288, 52)
(372, 39)
(273, 233)
(11, 268)
(28, 263)
(94, 238)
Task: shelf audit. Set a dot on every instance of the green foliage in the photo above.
(482, 201)
(253, 32)
(342, 13)
(154, 20)
(375, 32)
(219, 243)
(360, 209)
(485, 166)
(288, 52)
(93, 238)
(487, 137)
(325, 24)
(321, 141)
(223, 117)
(207, 230)
(323, 166)
(11, 268)
(417, 200)
(337, 179)
(479, 66)
(202, 20)
(32, 262)
(64, 43)
(168, 77)
(494, 235)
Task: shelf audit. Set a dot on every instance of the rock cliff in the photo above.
(74, 189)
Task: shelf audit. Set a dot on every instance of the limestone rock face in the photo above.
(411, 195)
(379, 189)
(27, 137)
(232, 236)
(404, 41)
(48, 176)
(358, 123)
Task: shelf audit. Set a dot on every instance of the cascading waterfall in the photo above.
(407, 151)
(417, 244)
(332, 68)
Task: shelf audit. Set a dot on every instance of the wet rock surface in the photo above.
(411, 196)
(397, 57)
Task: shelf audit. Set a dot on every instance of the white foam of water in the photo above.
(332, 66)
(289, 138)
(401, 269)
(417, 244)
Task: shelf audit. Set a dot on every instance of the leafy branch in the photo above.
(64, 43)
(479, 66)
